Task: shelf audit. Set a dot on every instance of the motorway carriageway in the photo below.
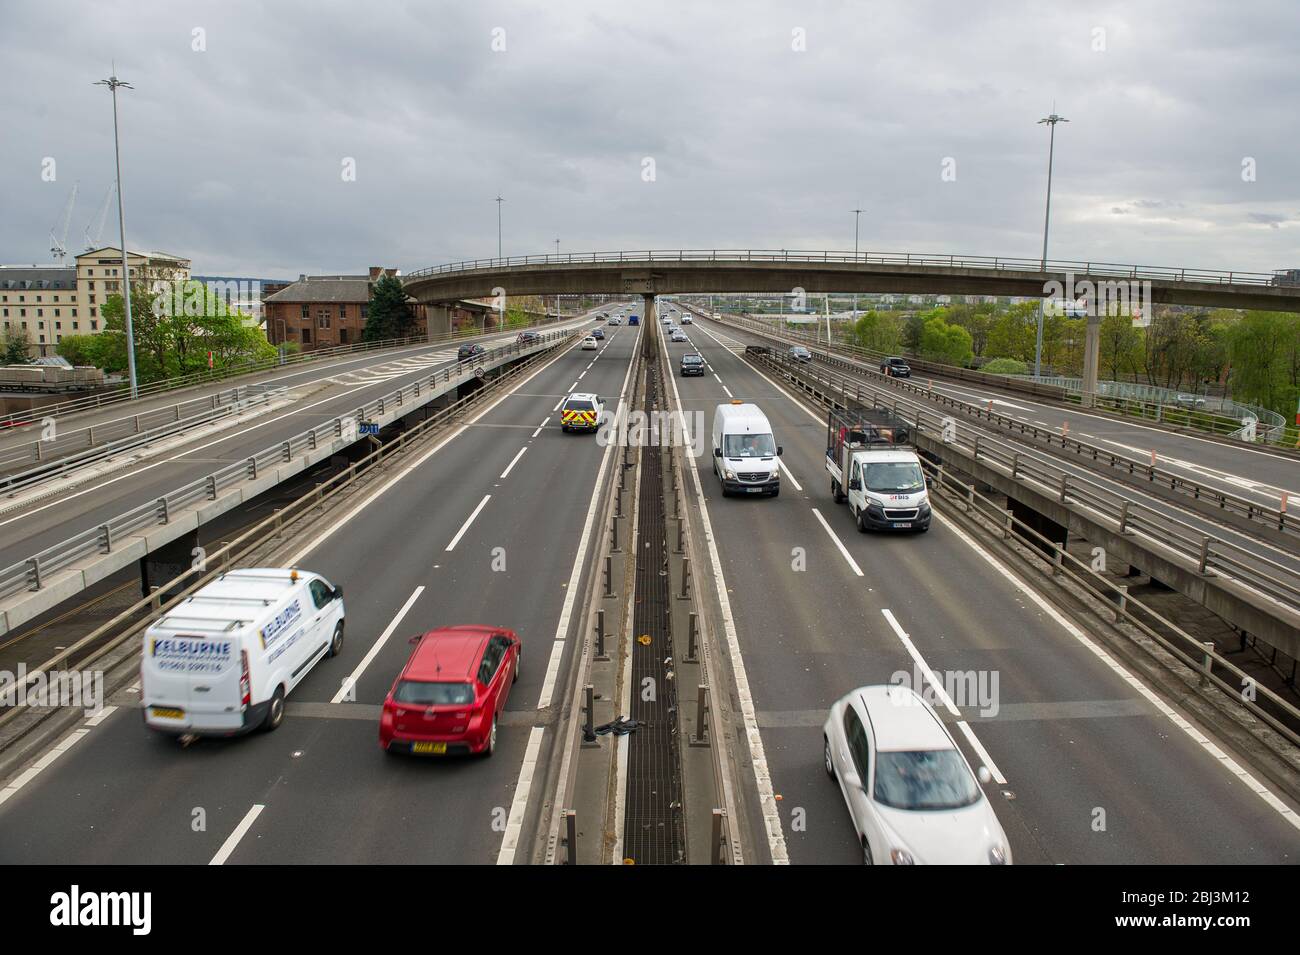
(1075, 735)
(1243, 458)
(417, 557)
(47, 522)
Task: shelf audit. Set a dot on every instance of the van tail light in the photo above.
(244, 683)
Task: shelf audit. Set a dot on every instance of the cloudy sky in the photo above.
(618, 125)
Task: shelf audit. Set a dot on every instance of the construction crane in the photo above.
(92, 240)
(59, 236)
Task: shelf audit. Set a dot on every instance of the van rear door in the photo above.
(192, 680)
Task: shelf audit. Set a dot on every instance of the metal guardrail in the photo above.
(123, 394)
(73, 444)
(984, 262)
(31, 573)
(1204, 552)
(103, 640)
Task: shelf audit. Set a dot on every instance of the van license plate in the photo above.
(754, 490)
(436, 748)
(168, 713)
(902, 524)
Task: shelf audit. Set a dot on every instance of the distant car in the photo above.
(634, 320)
(528, 338)
(581, 412)
(800, 354)
(589, 343)
(451, 692)
(1189, 401)
(467, 352)
(598, 333)
(692, 364)
(912, 796)
(616, 320)
(666, 320)
(895, 367)
(687, 320)
(679, 336)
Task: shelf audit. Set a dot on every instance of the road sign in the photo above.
(369, 427)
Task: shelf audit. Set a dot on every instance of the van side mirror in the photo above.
(337, 594)
(415, 639)
(779, 450)
(855, 484)
(717, 452)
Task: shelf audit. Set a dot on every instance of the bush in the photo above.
(1006, 366)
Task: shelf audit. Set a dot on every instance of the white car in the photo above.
(616, 320)
(589, 343)
(912, 795)
(679, 336)
(687, 320)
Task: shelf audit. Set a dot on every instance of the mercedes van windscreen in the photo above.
(749, 446)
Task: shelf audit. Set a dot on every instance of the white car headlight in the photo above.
(731, 475)
(901, 857)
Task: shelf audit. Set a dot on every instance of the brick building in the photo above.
(322, 311)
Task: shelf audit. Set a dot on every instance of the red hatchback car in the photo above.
(451, 691)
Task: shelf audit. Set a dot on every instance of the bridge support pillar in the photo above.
(650, 320)
(439, 319)
(158, 568)
(1091, 356)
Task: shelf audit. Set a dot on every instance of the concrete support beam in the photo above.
(1091, 356)
(439, 319)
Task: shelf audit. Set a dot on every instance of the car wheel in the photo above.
(275, 711)
(336, 644)
(491, 746)
(862, 521)
(826, 757)
(519, 658)
(835, 491)
(866, 852)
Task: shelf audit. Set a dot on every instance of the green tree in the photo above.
(15, 347)
(79, 349)
(878, 331)
(389, 314)
(1264, 348)
(950, 344)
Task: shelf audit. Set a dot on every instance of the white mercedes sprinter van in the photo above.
(744, 450)
(222, 661)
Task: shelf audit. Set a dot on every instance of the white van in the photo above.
(222, 661)
(744, 450)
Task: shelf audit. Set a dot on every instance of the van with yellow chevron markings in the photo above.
(581, 411)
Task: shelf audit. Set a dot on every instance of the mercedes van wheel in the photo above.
(274, 711)
(336, 645)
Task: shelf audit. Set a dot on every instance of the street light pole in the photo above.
(113, 84)
(856, 214)
(499, 200)
(1051, 122)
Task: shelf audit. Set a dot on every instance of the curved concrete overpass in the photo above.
(703, 271)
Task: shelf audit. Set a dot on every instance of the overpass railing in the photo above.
(907, 259)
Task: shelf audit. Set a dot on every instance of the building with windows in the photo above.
(47, 302)
(322, 311)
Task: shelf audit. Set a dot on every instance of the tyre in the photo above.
(336, 644)
(826, 757)
(519, 659)
(866, 852)
(274, 711)
(862, 522)
(836, 496)
(491, 746)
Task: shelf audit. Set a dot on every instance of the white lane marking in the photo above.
(383, 489)
(103, 714)
(552, 674)
(789, 476)
(844, 551)
(983, 753)
(229, 845)
(518, 805)
(749, 713)
(575, 575)
(727, 390)
(34, 770)
(1205, 742)
(557, 406)
(468, 521)
(348, 684)
(515, 460)
(580, 377)
(715, 375)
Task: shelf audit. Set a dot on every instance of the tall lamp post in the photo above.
(1051, 122)
(499, 200)
(856, 214)
(113, 84)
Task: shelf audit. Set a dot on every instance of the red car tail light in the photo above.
(245, 685)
